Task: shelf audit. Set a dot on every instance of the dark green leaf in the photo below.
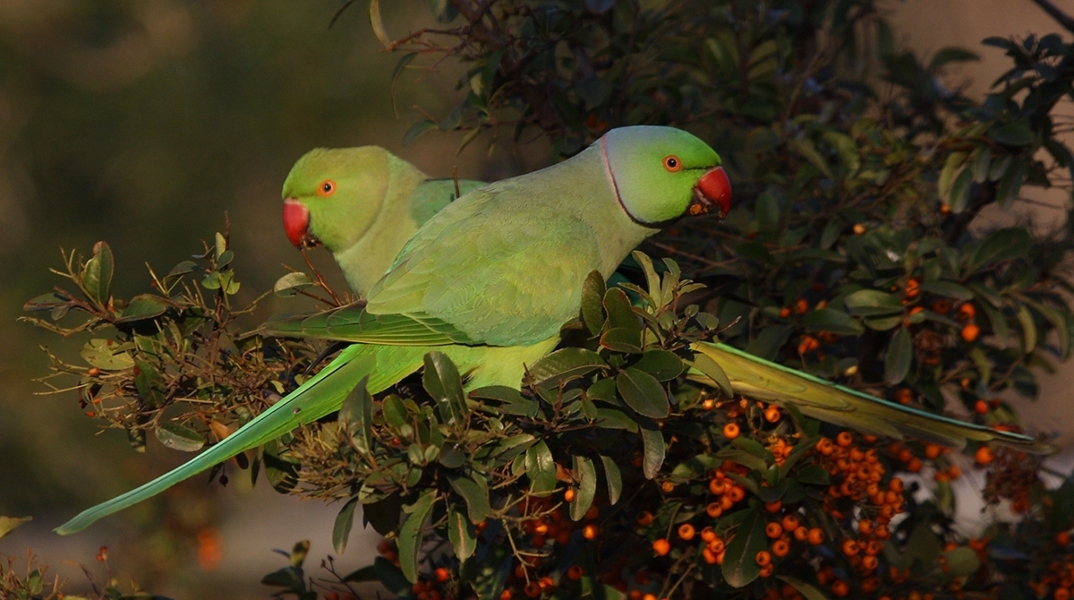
(622, 339)
(144, 306)
(873, 302)
(951, 54)
(899, 356)
(291, 283)
(1003, 244)
(960, 191)
(383, 515)
(585, 473)
(356, 416)
(1029, 329)
(44, 302)
(97, 276)
(949, 289)
(661, 364)
(391, 577)
(341, 530)
(417, 129)
(540, 468)
(475, 495)
(654, 448)
(178, 437)
(412, 533)
(512, 402)
(829, 319)
(615, 480)
(611, 418)
(442, 381)
(620, 313)
(643, 393)
(806, 590)
(1015, 133)
(564, 364)
(107, 355)
(461, 534)
(739, 566)
(713, 371)
(592, 302)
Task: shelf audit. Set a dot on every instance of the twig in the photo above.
(1053, 11)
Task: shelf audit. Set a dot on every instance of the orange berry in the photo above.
(736, 493)
(790, 522)
(661, 547)
(850, 548)
(771, 414)
(858, 229)
(780, 548)
(840, 588)
(932, 451)
(967, 311)
(713, 509)
(575, 572)
(592, 513)
(708, 534)
(844, 439)
(667, 487)
(970, 332)
(686, 531)
(532, 589)
(914, 465)
(709, 556)
(1061, 594)
(441, 575)
(784, 312)
(801, 533)
(980, 407)
(644, 518)
(815, 536)
(773, 507)
(1062, 538)
(506, 595)
(865, 526)
(904, 395)
(773, 530)
(731, 431)
(568, 496)
(763, 558)
(590, 531)
(708, 404)
(801, 306)
(717, 486)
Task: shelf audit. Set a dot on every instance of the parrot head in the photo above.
(662, 173)
(332, 196)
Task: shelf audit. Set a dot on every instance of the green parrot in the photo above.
(363, 204)
(749, 375)
(488, 281)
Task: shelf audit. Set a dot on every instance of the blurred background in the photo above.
(143, 124)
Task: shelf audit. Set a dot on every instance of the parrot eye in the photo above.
(326, 188)
(672, 163)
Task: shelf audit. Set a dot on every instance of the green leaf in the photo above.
(872, 302)
(951, 54)
(585, 473)
(391, 577)
(661, 364)
(947, 175)
(611, 418)
(356, 416)
(412, 533)
(144, 306)
(739, 566)
(622, 339)
(654, 448)
(1010, 186)
(620, 313)
(949, 289)
(8, 524)
(643, 393)
(383, 515)
(442, 381)
(461, 534)
(962, 561)
(1029, 329)
(709, 368)
(846, 149)
(564, 364)
(593, 291)
(805, 148)
(394, 412)
(47, 301)
(512, 402)
(97, 275)
(475, 495)
(899, 356)
(960, 191)
(178, 437)
(291, 283)
(1001, 245)
(148, 382)
(1001, 332)
(417, 129)
(614, 478)
(1015, 133)
(540, 468)
(835, 321)
(378, 25)
(341, 530)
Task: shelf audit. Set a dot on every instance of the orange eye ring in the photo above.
(327, 188)
(672, 163)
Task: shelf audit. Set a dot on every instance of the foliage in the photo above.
(855, 252)
(35, 585)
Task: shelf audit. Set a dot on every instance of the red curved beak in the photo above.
(713, 190)
(296, 221)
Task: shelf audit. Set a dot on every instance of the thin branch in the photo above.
(1053, 11)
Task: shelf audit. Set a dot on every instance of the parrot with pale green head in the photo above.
(748, 375)
(362, 204)
(488, 281)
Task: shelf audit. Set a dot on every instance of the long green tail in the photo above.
(316, 398)
(760, 379)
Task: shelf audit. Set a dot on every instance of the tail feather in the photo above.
(314, 399)
(764, 380)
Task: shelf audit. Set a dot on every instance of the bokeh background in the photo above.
(143, 123)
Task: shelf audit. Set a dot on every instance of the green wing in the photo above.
(760, 379)
(497, 267)
(353, 323)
